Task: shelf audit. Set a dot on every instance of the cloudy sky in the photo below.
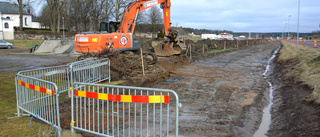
(246, 15)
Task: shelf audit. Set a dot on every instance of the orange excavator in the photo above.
(118, 35)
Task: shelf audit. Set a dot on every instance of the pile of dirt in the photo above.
(127, 65)
(200, 48)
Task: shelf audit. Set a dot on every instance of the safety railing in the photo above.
(39, 98)
(90, 71)
(58, 75)
(107, 110)
(38, 90)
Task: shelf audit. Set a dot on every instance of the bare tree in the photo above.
(21, 4)
(60, 9)
(155, 17)
(119, 8)
(108, 8)
(52, 4)
(44, 18)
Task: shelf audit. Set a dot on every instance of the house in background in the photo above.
(225, 36)
(9, 18)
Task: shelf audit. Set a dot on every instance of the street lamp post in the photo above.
(63, 27)
(298, 23)
(289, 25)
(283, 31)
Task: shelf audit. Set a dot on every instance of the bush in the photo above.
(161, 35)
(41, 29)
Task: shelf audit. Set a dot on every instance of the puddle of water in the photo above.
(266, 118)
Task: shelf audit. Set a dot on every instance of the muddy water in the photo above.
(266, 119)
(224, 95)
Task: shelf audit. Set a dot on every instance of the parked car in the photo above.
(4, 44)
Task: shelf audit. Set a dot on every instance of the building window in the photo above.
(25, 21)
(6, 25)
(8, 17)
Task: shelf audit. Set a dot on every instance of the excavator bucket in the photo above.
(169, 48)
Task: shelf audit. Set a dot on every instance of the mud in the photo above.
(223, 95)
(292, 115)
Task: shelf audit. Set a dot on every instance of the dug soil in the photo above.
(292, 113)
(225, 94)
(221, 95)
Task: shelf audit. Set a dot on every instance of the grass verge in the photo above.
(308, 67)
(24, 44)
(19, 126)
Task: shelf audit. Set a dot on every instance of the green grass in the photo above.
(308, 68)
(219, 51)
(24, 44)
(19, 126)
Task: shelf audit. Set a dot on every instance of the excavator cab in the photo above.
(110, 26)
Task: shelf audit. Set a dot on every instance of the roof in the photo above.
(4, 18)
(225, 34)
(8, 8)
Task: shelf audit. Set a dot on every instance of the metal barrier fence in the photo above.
(39, 98)
(58, 75)
(89, 71)
(107, 110)
(38, 90)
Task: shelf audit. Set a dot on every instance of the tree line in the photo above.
(85, 15)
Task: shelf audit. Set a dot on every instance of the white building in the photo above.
(6, 30)
(9, 18)
(209, 36)
(225, 36)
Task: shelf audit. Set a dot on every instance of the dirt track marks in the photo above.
(223, 95)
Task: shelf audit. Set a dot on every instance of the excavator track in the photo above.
(150, 58)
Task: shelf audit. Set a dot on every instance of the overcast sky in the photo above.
(244, 15)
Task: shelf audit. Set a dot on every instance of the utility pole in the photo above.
(298, 23)
(289, 25)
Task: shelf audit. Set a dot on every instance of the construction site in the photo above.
(116, 82)
(221, 93)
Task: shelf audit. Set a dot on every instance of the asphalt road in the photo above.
(309, 44)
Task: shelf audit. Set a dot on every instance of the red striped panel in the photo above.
(140, 99)
(75, 92)
(92, 95)
(43, 90)
(114, 97)
(31, 86)
(166, 99)
(23, 84)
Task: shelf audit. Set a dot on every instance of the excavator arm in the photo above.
(122, 39)
(129, 18)
(173, 46)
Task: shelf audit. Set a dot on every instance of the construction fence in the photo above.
(37, 90)
(103, 110)
(108, 110)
